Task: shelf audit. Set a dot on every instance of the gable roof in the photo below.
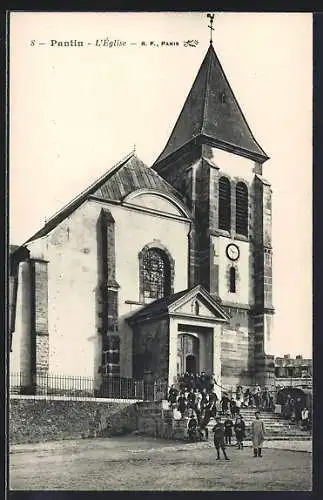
(163, 305)
(204, 115)
(128, 175)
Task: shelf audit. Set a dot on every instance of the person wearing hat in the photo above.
(205, 419)
(218, 430)
(192, 428)
(239, 429)
(225, 403)
(228, 424)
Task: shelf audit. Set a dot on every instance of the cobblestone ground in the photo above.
(142, 463)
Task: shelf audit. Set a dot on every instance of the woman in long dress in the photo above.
(258, 434)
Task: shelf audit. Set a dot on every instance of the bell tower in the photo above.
(215, 162)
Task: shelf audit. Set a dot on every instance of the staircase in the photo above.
(276, 427)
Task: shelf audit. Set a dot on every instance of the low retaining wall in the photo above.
(155, 419)
(36, 419)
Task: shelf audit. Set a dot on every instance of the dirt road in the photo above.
(142, 463)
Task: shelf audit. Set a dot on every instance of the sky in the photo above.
(77, 110)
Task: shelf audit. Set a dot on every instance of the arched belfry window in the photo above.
(232, 279)
(241, 209)
(156, 273)
(224, 204)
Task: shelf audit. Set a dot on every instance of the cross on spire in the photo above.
(211, 16)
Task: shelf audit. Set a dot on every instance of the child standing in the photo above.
(239, 429)
(228, 424)
(218, 430)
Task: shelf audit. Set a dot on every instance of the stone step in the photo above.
(276, 429)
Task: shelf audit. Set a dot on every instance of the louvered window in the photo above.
(224, 204)
(242, 209)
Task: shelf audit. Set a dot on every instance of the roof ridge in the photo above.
(113, 169)
(65, 210)
(238, 105)
(206, 92)
(202, 114)
(180, 113)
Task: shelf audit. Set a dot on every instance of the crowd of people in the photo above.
(194, 396)
(223, 433)
(295, 412)
(197, 392)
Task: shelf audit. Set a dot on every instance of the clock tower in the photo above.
(214, 161)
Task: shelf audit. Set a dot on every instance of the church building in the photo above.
(157, 269)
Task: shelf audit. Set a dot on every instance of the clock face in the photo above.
(233, 252)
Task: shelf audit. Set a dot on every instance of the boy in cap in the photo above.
(228, 425)
(218, 430)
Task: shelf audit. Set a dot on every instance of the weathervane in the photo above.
(211, 16)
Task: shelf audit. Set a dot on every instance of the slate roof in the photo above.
(161, 306)
(129, 175)
(205, 115)
(133, 175)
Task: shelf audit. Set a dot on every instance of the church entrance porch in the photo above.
(178, 333)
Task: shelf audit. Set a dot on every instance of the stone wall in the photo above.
(237, 349)
(33, 420)
(155, 419)
(38, 419)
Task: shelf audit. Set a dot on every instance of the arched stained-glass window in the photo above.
(156, 274)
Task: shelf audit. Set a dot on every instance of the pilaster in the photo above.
(39, 322)
(262, 276)
(172, 364)
(109, 296)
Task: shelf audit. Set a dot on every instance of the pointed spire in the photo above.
(212, 115)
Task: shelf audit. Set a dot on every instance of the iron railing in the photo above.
(114, 387)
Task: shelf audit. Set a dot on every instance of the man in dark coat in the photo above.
(233, 408)
(225, 403)
(192, 428)
(205, 419)
(187, 381)
(191, 399)
(228, 424)
(203, 381)
(182, 403)
(239, 429)
(218, 430)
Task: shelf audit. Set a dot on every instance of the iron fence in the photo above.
(114, 387)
